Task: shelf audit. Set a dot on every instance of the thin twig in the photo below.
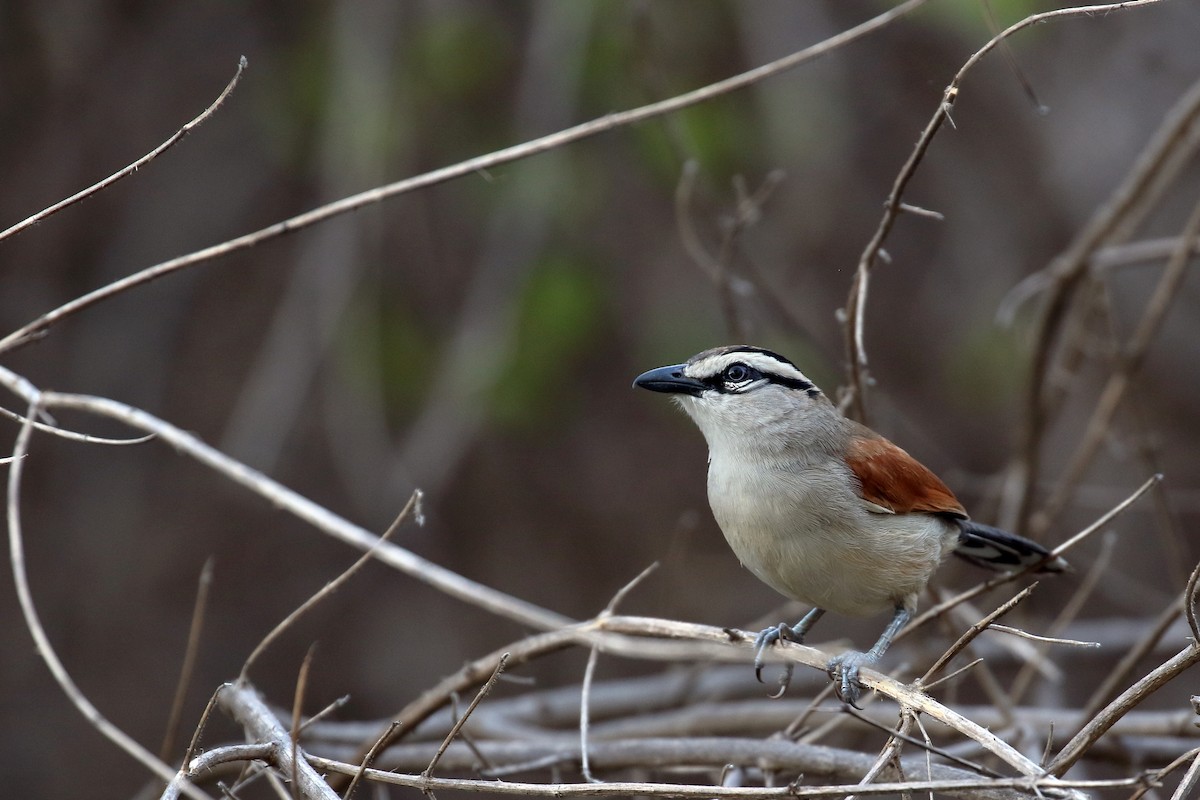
(1069, 272)
(369, 758)
(1189, 782)
(468, 167)
(856, 354)
(73, 435)
(1047, 639)
(976, 629)
(1079, 597)
(951, 675)
(34, 625)
(1127, 700)
(414, 501)
(585, 691)
(450, 737)
(298, 710)
(590, 670)
(410, 563)
(189, 659)
(196, 734)
(1190, 600)
(135, 166)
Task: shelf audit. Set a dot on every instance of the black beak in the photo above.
(670, 380)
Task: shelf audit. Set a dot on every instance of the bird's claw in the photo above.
(767, 637)
(844, 670)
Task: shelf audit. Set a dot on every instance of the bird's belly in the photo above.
(816, 543)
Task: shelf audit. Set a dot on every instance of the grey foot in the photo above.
(844, 671)
(767, 637)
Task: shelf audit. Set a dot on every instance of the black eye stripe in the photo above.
(721, 383)
(794, 383)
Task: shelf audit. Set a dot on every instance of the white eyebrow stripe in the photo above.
(711, 366)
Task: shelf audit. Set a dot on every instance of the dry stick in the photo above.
(369, 759)
(1106, 259)
(323, 519)
(1033, 637)
(73, 435)
(189, 660)
(523, 651)
(1069, 270)
(949, 676)
(585, 633)
(244, 705)
(1153, 780)
(135, 166)
(590, 670)
(467, 167)
(905, 695)
(1131, 697)
(856, 353)
(42, 642)
(1099, 426)
(458, 725)
(324, 712)
(972, 632)
(1100, 723)
(1190, 780)
(677, 790)
(1189, 602)
(298, 708)
(414, 501)
(185, 767)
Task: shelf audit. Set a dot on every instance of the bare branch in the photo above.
(467, 167)
(280, 496)
(135, 166)
(1130, 698)
(856, 354)
(46, 650)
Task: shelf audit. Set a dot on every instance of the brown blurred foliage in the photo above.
(477, 339)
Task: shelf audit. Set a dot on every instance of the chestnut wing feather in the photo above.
(892, 479)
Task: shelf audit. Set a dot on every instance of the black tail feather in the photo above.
(996, 549)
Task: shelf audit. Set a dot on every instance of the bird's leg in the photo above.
(848, 664)
(782, 632)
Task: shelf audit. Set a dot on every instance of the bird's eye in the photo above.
(736, 373)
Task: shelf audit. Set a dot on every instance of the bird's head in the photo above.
(738, 395)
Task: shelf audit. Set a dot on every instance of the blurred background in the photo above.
(478, 339)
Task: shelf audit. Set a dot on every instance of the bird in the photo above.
(820, 507)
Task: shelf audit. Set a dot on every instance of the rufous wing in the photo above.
(895, 481)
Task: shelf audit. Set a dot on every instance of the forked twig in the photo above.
(972, 632)
(856, 354)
